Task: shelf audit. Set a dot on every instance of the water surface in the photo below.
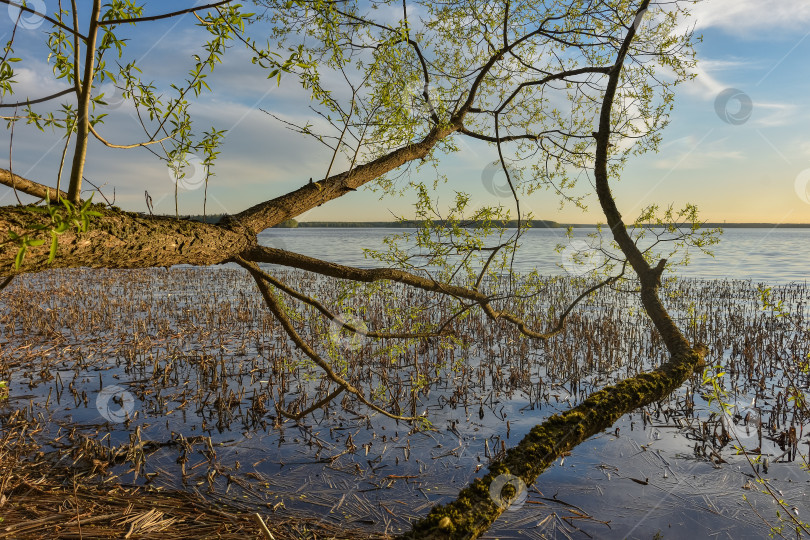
(774, 256)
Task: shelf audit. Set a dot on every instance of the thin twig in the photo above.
(265, 531)
(38, 100)
(278, 311)
(163, 16)
(6, 282)
(124, 146)
(10, 166)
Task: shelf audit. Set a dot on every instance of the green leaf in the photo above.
(54, 245)
(20, 256)
(87, 203)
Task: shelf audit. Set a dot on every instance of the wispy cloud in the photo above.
(744, 16)
(777, 114)
(693, 153)
(715, 76)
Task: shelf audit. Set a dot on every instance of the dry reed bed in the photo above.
(40, 500)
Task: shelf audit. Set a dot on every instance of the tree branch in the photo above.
(553, 77)
(277, 283)
(508, 138)
(310, 264)
(28, 187)
(44, 16)
(286, 323)
(315, 406)
(294, 203)
(163, 16)
(103, 141)
(39, 100)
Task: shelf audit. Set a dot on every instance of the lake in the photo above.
(175, 377)
(775, 256)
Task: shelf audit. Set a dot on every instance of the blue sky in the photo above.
(754, 170)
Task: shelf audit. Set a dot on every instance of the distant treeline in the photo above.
(216, 218)
(535, 224)
(211, 218)
(412, 224)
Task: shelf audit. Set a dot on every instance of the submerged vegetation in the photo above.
(200, 373)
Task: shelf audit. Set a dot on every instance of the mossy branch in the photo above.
(475, 510)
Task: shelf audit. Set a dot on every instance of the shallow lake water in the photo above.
(773, 256)
(186, 367)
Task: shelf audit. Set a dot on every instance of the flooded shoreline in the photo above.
(173, 378)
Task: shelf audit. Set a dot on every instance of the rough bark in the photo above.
(121, 240)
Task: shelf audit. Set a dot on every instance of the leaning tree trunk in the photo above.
(120, 240)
